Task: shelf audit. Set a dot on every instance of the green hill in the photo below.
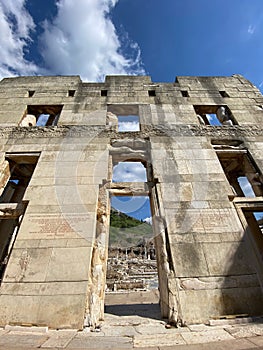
(126, 231)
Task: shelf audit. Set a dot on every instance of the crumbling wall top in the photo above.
(73, 79)
(125, 79)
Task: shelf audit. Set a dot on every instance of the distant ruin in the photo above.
(200, 141)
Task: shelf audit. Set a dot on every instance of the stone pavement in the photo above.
(140, 333)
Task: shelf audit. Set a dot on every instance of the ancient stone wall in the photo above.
(59, 141)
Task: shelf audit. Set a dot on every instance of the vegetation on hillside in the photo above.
(126, 231)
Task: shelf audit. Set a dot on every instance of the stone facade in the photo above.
(59, 142)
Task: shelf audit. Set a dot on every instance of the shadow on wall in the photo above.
(242, 293)
(230, 289)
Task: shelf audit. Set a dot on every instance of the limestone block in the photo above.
(181, 166)
(45, 194)
(252, 331)
(97, 117)
(67, 180)
(59, 339)
(220, 204)
(10, 118)
(243, 117)
(19, 309)
(48, 181)
(181, 238)
(49, 156)
(27, 243)
(43, 310)
(220, 282)
(43, 288)
(215, 336)
(189, 259)
(28, 340)
(200, 306)
(34, 147)
(93, 156)
(227, 258)
(4, 174)
(71, 169)
(243, 301)
(203, 190)
(221, 220)
(29, 264)
(209, 237)
(211, 190)
(41, 243)
(154, 341)
(184, 220)
(204, 166)
(64, 242)
(74, 264)
(66, 225)
(62, 195)
(257, 153)
(86, 180)
(86, 194)
(176, 192)
(67, 156)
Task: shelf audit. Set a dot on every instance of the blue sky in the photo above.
(158, 38)
(137, 206)
(163, 39)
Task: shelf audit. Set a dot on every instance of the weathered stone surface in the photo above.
(155, 340)
(208, 258)
(258, 341)
(206, 337)
(108, 342)
(20, 340)
(240, 344)
(246, 331)
(59, 339)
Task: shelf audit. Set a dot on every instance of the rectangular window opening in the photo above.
(71, 93)
(184, 93)
(18, 170)
(38, 115)
(31, 93)
(125, 116)
(104, 93)
(215, 115)
(129, 123)
(151, 93)
(254, 219)
(242, 173)
(224, 94)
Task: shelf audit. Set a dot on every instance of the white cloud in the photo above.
(128, 126)
(131, 204)
(129, 172)
(251, 29)
(128, 123)
(82, 40)
(148, 220)
(15, 27)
